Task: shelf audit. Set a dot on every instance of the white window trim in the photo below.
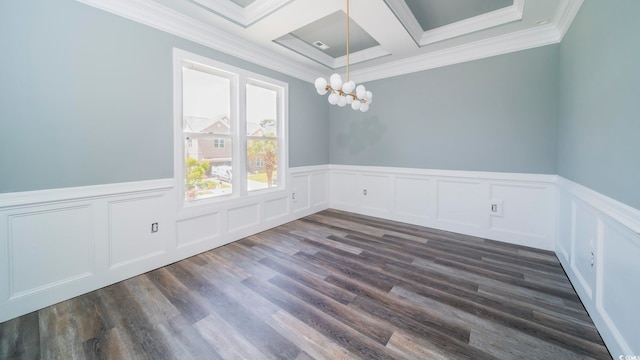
(239, 144)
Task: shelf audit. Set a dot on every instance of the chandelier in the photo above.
(341, 92)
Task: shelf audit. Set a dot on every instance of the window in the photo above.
(230, 125)
(262, 139)
(206, 111)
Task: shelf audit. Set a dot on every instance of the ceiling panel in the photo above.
(331, 31)
(432, 14)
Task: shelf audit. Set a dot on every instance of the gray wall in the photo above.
(495, 114)
(599, 122)
(86, 98)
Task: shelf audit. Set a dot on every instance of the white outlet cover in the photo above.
(500, 207)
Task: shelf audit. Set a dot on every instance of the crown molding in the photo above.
(150, 13)
(162, 18)
(477, 23)
(499, 45)
(243, 16)
(405, 16)
(567, 11)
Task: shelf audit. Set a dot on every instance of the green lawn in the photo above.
(262, 176)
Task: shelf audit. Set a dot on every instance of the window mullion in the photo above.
(242, 138)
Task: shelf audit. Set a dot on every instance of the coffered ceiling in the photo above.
(307, 38)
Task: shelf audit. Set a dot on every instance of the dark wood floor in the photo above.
(333, 285)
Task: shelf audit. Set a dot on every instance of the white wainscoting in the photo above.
(458, 201)
(599, 248)
(60, 243)
(57, 244)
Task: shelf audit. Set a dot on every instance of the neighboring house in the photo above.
(202, 142)
(256, 163)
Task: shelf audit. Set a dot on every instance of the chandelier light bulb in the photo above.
(335, 81)
(348, 87)
(323, 90)
(342, 101)
(349, 99)
(369, 96)
(361, 91)
(364, 107)
(321, 83)
(333, 98)
(356, 105)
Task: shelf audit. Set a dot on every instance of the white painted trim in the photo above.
(82, 192)
(477, 23)
(499, 45)
(133, 198)
(539, 178)
(162, 18)
(243, 16)
(360, 56)
(239, 78)
(157, 16)
(406, 17)
(435, 195)
(567, 11)
(619, 212)
(617, 224)
(308, 169)
(294, 44)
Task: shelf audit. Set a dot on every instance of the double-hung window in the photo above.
(230, 126)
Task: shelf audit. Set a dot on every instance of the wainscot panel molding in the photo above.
(459, 201)
(599, 248)
(60, 243)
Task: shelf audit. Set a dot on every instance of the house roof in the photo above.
(217, 125)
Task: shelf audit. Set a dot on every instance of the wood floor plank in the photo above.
(366, 325)
(20, 338)
(332, 285)
(185, 340)
(64, 342)
(227, 341)
(340, 333)
(190, 305)
(240, 315)
(309, 339)
(313, 282)
(415, 347)
(136, 333)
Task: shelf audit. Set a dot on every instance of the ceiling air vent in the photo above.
(321, 45)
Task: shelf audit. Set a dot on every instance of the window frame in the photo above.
(239, 79)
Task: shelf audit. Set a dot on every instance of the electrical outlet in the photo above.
(496, 207)
(154, 227)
